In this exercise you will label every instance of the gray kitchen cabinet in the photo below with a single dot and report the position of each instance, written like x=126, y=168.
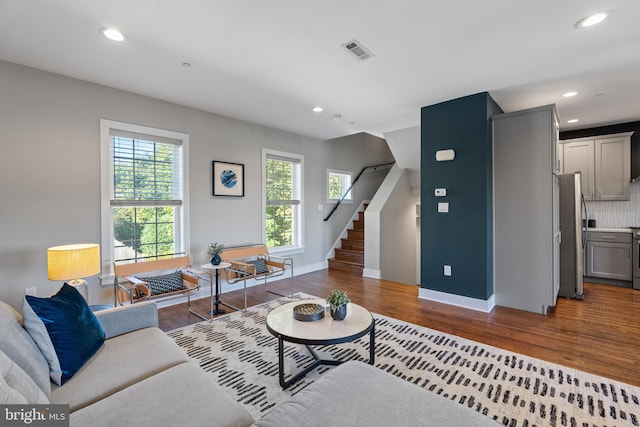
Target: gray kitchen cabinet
x=613, y=168
x=557, y=150
x=526, y=265
x=609, y=256
x=578, y=156
x=605, y=164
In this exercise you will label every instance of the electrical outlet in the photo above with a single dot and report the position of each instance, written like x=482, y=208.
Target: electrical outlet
x=31, y=291
x=447, y=270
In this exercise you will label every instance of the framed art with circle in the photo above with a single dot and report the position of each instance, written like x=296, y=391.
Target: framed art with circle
x=228, y=179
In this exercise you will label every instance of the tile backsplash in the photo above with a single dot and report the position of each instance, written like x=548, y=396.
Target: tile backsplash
x=617, y=214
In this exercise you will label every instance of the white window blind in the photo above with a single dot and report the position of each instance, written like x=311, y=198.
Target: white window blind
x=145, y=169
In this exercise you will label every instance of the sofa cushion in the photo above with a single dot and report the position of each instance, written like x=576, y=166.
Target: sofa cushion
x=180, y=396
x=16, y=343
x=16, y=386
x=357, y=394
x=164, y=283
x=121, y=362
x=64, y=328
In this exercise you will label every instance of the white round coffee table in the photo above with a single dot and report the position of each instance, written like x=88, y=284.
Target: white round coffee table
x=326, y=331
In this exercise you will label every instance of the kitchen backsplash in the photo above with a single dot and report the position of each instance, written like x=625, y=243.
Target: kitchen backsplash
x=617, y=214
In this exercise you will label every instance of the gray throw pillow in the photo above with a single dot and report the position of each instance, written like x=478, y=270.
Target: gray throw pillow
x=18, y=346
x=16, y=387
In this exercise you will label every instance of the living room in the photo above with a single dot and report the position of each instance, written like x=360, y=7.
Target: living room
x=51, y=176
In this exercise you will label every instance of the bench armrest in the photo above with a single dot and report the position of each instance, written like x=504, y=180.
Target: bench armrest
x=135, y=280
x=121, y=320
x=194, y=272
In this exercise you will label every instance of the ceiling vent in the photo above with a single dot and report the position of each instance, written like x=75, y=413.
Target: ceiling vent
x=356, y=48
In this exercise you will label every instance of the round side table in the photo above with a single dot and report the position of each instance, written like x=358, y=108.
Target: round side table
x=215, y=297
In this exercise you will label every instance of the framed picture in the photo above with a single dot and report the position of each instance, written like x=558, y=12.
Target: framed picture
x=228, y=179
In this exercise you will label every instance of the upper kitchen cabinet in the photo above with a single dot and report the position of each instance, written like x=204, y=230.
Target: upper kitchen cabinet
x=558, y=153
x=579, y=156
x=604, y=162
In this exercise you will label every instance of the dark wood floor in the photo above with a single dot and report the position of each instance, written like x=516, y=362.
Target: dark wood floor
x=600, y=335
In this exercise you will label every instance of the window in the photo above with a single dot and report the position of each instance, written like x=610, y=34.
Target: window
x=338, y=182
x=144, y=204
x=282, y=200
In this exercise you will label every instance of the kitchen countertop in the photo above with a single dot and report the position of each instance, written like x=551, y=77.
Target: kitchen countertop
x=611, y=230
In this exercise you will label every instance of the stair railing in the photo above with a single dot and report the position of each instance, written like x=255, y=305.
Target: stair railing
x=374, y=167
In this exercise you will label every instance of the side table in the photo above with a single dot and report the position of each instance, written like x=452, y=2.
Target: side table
x=215, y=297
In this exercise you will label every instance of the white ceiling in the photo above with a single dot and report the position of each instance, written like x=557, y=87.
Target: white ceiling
x=269, y=62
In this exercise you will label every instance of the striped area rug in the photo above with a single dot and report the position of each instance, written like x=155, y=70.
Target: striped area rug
x=238, y=352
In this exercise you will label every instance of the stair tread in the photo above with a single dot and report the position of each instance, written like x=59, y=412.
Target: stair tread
x=350, y=250
x=346, y=262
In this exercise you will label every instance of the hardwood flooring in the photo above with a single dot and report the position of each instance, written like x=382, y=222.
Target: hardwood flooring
x=600, y=335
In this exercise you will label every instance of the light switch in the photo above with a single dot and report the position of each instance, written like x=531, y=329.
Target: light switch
x=443, y=207
x=447, y=270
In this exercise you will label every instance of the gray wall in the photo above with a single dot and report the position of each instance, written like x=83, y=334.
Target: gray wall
x=50, y=174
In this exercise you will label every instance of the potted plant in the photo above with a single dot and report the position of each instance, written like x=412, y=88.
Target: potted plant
x=338, y=301
x=214, y=252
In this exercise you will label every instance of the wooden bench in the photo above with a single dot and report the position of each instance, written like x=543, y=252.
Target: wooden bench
x=129, y=284
x=254, y=262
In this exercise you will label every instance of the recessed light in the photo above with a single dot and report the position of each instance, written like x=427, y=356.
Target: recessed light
x=573, y=121
x=594, y=19
x=337, y=117
x=317, y=109
x=569, y=94
x=112, y=34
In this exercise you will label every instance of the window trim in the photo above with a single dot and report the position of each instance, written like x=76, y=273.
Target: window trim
x=336, y=171
x=299, y=234
x=106, y=217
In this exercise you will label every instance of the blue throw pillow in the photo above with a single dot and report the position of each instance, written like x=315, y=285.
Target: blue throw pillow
x=65, y=330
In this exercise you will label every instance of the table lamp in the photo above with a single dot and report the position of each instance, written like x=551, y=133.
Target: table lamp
x=72, y=263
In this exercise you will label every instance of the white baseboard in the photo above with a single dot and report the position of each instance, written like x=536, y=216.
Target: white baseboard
x=458, y=300
x=374, y=274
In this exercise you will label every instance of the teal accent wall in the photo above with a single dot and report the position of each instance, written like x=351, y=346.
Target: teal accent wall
x=462, y=238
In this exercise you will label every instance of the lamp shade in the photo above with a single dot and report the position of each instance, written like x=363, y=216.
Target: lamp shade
x=73, y=261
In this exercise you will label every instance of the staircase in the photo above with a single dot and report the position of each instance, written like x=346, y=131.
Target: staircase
x=350, y=257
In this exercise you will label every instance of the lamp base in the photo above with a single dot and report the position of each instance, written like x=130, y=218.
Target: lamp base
x=81, y=286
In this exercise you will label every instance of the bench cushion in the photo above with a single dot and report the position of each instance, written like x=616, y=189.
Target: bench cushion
x=164, y=283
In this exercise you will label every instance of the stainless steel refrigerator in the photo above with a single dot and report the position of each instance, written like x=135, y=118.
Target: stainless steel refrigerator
x=573, y=210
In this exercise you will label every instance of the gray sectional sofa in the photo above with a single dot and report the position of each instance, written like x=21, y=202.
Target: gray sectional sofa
x=140, y=377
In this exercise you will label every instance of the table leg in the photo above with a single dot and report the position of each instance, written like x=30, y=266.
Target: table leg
x=372, y=343
x=215, y=298
x=283, y=383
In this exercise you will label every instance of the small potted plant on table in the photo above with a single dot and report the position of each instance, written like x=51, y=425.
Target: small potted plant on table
x=338, y=301
x=214, y=252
